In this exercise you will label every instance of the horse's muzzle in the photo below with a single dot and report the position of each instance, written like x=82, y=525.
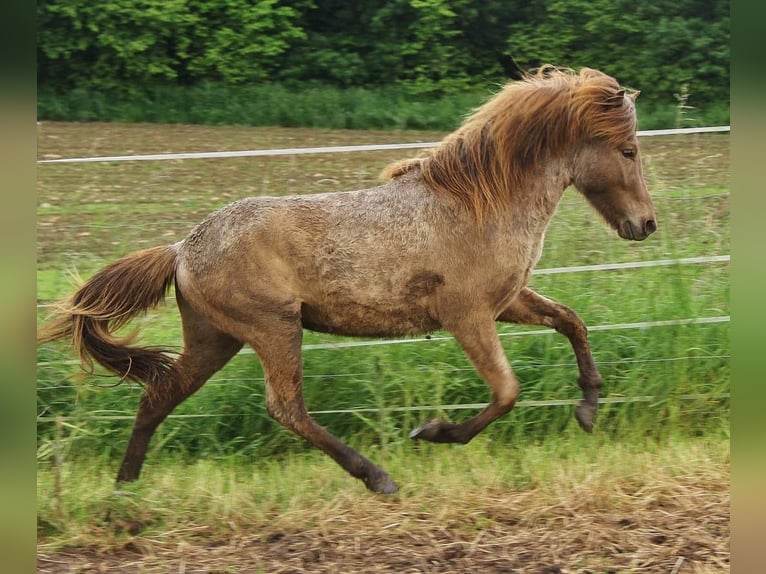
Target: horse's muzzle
x=629, y=230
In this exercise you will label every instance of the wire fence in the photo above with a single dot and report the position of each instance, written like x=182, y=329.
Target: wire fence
x=431, y=339
x=707, y=260
x=228, y=381
x=447, y=407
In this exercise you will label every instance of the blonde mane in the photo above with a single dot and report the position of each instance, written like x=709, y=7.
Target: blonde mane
x=501, y=145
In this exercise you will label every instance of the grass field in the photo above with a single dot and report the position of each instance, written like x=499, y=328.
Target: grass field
x=224, y=477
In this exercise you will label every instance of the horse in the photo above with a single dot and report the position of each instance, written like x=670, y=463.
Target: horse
x=447, y=241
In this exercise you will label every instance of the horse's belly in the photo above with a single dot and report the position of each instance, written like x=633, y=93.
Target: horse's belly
x=366, y=320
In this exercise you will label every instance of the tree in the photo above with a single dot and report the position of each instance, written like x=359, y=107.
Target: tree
x=113, y=43
x=118, y=44
x=428, y=46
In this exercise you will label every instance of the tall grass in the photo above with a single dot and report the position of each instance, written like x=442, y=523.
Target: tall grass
x=308, y=106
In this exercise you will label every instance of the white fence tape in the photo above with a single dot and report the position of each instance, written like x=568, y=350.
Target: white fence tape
x=633, y=264
x=329, y=149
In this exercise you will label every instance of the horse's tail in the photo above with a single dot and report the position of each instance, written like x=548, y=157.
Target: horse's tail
x=109, y=300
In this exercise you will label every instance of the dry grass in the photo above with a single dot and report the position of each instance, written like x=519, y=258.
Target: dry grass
x=617, y=508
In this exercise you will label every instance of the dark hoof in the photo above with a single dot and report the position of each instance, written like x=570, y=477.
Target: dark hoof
x=442, y=432
x=586, y=415
x=427, y=431
x=382, y=484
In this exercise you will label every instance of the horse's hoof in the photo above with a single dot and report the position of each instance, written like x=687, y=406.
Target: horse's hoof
x=381, y=484
x=585, y=415
x=427, y=431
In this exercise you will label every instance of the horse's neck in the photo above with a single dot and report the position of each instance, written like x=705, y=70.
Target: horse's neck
x=520, y=230
x=537, y=202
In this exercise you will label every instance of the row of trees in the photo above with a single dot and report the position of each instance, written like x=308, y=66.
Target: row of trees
x=427, y=46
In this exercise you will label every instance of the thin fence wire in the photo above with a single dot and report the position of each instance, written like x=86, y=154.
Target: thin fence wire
x=454, y=407
x=610, y=327
x=426, y=339
x=243, y=381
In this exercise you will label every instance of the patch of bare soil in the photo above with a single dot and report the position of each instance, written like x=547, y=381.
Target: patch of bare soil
x=683, y=528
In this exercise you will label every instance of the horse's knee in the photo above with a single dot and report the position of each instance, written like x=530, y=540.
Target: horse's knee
x=287, y=414
x=570, y=324
x=275, y=409
x=506, y=396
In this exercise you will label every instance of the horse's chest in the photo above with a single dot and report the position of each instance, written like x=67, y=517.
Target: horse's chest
x=505, y=288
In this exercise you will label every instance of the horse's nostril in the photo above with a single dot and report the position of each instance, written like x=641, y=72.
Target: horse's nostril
x=650, y=226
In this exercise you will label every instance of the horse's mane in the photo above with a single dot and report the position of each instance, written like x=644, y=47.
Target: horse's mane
x=504, y=142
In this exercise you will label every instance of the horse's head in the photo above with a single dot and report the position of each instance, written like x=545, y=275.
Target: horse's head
x=607, y=171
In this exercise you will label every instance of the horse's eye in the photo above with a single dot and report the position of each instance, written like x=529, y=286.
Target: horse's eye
x=629, y=153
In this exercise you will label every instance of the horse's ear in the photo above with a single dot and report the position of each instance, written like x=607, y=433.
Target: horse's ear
x=616, y=100
x=510, y=68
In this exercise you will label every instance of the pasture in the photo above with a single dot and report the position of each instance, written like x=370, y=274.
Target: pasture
x=225, y=489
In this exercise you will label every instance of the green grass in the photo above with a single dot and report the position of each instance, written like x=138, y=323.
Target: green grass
x=310, y=106
x=662, y=362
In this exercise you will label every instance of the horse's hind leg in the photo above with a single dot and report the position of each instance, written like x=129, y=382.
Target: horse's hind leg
x=529, y=308
x=280, y=354
x=206, y=350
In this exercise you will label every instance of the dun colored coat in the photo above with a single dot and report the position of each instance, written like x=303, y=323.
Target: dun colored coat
x=447, y=242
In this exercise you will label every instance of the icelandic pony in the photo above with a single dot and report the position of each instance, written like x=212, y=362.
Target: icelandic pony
x=447, y=242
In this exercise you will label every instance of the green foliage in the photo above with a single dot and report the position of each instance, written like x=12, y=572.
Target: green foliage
x=110, y=45
x=122, y=45
x=431, y=55
x=240, y=40
x=426, y=47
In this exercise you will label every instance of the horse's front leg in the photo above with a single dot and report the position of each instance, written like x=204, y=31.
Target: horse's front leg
x=478, y=337
x=529, y=308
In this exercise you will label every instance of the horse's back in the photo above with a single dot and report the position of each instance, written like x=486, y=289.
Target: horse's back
x=301, y=227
